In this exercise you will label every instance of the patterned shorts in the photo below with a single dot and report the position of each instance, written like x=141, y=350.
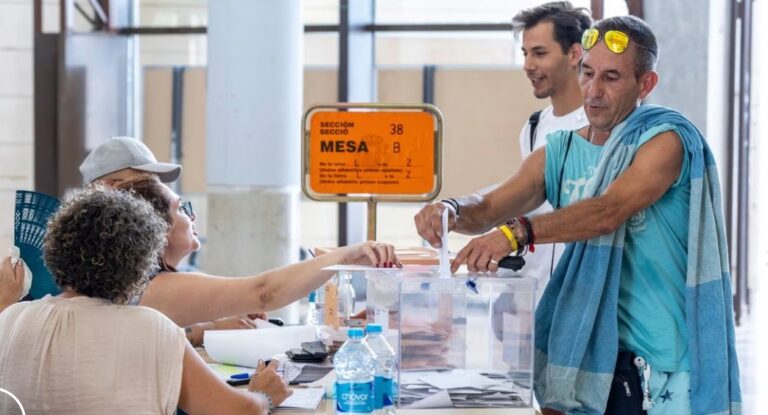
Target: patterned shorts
x=670, y=392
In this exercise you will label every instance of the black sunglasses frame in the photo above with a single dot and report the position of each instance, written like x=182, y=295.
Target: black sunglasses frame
x=186, y=207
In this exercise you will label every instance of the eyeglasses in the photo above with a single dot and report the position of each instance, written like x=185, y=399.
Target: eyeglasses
x=186, y=207
x=616, y=40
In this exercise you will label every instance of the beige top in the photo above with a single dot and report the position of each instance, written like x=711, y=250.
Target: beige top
x=87, y=356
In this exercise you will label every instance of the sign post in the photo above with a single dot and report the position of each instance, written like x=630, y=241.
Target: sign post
x=372, y=153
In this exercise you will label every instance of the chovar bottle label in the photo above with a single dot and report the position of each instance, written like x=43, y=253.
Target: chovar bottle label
x=354, y=397
x=383, y=393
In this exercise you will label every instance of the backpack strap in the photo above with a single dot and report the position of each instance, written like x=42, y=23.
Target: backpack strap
x=533, y=122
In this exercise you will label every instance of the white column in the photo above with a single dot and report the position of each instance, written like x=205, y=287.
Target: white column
x=16, y=109
x=253, y=129
x=693, y=68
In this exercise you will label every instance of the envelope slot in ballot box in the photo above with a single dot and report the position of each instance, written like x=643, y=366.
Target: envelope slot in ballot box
x=464, y=341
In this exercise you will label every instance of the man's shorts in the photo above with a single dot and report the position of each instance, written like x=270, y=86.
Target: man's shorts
x=671, y=393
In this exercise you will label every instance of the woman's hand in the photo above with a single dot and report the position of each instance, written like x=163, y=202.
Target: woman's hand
x=266, y=380
x=11, y=282
x=261, y=315
x=196, y=332
x=234, y=323
x=374, y=253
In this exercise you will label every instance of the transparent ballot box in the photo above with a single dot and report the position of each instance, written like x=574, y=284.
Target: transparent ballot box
x=464, y=341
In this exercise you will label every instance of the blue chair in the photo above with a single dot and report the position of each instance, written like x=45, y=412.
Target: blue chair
x=33, y=209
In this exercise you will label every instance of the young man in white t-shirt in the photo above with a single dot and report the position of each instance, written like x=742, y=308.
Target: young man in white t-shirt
x=551, y=45
x=551, y=36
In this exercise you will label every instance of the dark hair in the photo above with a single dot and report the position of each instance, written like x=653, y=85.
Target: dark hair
x=640, y=34
x=569, y=22
x=150, y=188
x=102, y=243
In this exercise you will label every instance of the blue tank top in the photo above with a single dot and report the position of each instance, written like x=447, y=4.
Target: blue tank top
x=651, y=309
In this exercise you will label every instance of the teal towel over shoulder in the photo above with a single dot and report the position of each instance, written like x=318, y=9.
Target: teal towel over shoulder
x=576, y=336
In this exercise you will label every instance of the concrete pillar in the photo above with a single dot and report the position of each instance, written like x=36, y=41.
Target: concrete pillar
x=694, y=67
x=694, y=42
x=253, y=130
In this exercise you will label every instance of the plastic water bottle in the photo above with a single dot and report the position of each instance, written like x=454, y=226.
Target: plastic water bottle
x=346, y=298
x=355, y=367
x=314, y=317
x=384, y=387
x=320, y=305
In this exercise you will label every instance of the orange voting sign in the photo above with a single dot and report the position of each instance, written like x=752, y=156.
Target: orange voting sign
x=372, y=152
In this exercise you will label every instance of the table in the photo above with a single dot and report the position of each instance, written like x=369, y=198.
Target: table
x=327, y=407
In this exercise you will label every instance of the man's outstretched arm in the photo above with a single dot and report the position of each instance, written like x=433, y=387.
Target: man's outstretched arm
x=655, y=168
x=478, y=212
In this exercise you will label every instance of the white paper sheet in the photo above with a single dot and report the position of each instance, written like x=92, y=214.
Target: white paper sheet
x=457, y=379
x=439, y=400
x=341, y=267
x=303, y=399
x=445, y=263
x=406, y=268
x=469, y=391
x=247, y=347
x=409, y=378
x=381, y=317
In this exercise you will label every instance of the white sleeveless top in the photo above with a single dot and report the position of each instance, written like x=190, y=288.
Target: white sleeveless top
x=87, y=356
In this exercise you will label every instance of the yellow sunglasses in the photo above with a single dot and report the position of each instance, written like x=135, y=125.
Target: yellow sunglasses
x=616, y=40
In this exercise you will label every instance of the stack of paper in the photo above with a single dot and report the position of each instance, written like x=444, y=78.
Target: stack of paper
x=461, y=389
x=302, y=400
x=308, y=372
x=427, y=341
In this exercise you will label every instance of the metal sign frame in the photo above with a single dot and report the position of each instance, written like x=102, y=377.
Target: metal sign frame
x=369, y=197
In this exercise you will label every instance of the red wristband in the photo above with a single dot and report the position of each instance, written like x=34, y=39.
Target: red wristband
x=528, y=230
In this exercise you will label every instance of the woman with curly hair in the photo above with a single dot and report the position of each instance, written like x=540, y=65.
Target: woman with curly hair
x=86, y=351
x=189, y=298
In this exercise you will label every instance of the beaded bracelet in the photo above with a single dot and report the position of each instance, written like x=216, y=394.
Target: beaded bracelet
x=522, y=243
x=530, y=237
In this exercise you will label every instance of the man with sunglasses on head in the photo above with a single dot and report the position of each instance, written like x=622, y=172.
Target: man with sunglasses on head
x=637, y=317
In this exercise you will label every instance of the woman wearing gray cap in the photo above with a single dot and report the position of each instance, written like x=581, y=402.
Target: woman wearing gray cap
x=122, y=158
x=190, y=298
